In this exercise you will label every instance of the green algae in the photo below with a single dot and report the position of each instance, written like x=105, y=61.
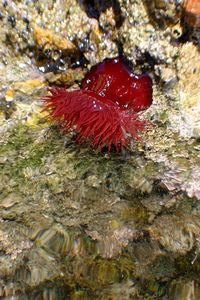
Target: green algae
x=80, y=180
x=21, y=153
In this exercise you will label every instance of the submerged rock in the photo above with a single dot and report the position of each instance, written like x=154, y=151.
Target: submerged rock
x=83, y=224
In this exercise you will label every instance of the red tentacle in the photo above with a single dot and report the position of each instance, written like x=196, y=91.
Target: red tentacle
x=94, y=118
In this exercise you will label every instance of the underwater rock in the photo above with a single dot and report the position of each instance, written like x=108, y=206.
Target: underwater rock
x=176, y=234
x=184, y=290
x=83, y=225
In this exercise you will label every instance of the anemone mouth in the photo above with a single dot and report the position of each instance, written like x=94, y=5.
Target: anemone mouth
x=95, y=118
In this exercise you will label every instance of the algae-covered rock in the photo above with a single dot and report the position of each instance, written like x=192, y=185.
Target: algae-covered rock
x=178, y=235
x=77, y=223
x=188, y=121
x=183, y=289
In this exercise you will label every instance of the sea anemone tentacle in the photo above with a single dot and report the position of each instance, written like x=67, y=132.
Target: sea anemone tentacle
x=104, y=123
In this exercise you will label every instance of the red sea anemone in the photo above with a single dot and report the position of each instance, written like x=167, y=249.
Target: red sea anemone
x=106, y=108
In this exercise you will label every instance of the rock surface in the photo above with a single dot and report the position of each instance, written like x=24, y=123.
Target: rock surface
x=79, y=224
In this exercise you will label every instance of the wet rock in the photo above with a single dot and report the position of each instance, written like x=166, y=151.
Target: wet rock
x=164, y=12
x=141, y=42
x=67, y=78
x=49, y=40
x=86, y=224
x=182, y=290
x=122, y=291
x=187, y=120
x=176, y=234
x=9, y=201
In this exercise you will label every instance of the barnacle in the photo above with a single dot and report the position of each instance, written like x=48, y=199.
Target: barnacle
x=106, y=108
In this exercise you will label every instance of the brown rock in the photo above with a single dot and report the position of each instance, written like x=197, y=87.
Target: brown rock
x=48, y=38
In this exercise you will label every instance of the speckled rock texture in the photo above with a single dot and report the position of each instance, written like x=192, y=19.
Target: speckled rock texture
x=76, y=223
